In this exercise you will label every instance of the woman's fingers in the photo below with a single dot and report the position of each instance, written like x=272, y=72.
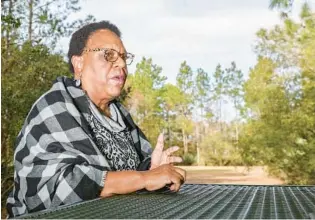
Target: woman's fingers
x=175, y=159
x=181, y=172
x=172, y=187
x=177, y=180
x=162, y=176
x=175, y=187
x=167, y=158
x=171, y=150
x=160, y=142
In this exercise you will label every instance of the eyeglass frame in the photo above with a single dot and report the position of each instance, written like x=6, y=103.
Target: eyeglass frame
x=121, y=55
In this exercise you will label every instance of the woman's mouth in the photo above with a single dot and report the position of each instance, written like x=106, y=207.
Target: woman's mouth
x=119, y=79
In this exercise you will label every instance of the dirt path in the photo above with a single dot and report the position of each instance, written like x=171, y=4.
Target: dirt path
x=229, y=175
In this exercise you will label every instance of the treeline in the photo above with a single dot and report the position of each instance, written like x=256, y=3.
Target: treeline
x=190, y=113
x=273, y=110
x=280, y=100
x=274, y=123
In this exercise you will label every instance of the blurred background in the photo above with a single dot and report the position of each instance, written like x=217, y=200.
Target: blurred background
x=232, y=83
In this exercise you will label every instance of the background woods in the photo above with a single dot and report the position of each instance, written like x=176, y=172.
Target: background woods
x=272, y=108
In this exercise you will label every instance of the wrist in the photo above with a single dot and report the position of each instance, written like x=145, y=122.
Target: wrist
x=142, y=179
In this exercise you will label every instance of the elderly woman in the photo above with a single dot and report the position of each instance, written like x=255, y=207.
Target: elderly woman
x=78, y=142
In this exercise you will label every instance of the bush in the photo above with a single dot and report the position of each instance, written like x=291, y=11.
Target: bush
x=189, y=159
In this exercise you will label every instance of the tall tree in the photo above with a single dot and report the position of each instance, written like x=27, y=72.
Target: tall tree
x=145, y=98
x=172, y=99
x=234, y=90
x=9, y=24
x=42, y=21
x=219, y=85
x=184, y=81
x=235, y=93
x=203, y=89
x=184, y=78
x=202, y=94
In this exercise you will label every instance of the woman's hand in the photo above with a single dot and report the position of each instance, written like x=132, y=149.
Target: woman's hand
x=127, y=181
x=160, y=156
x=164, y=175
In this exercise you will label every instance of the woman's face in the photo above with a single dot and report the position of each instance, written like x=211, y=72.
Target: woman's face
x=103, y=79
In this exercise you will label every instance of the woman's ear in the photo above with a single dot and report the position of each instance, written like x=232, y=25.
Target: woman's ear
x=77, y=63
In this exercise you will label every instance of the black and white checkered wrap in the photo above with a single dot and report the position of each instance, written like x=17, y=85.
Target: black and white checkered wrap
x=56, y=161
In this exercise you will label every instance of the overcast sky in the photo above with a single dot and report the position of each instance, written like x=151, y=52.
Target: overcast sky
x=202, y=32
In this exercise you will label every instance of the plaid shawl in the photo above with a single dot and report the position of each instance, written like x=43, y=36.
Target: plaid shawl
x=56, y=161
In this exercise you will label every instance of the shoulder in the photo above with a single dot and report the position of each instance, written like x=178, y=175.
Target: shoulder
x=59, y=98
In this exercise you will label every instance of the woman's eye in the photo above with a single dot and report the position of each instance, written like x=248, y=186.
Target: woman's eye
x=110, y=54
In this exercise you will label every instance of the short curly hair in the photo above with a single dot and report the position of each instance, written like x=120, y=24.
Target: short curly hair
x=80, y=37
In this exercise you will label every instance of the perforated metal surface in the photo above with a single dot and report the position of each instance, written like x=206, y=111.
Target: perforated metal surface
x=198, y=201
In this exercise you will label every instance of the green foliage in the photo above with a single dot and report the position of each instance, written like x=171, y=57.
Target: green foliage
x=189, y=159
x=217, y=149
x=26, y=74
x=281, y=4
x=9, y=22
x=41, y=21
x=184, y=79
x=202, y=91
x=227, y=85
x=172, y=99
x=234, y=88
x=280, y=94
x=144, y=102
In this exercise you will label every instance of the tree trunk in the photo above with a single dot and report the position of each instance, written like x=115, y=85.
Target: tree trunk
x=8, y=29
x=237, y=133
x=198, y=156
x=30, y=20
x=168, y=129
x=236, y=127
x=197, y=142
x=8, y=154
x=220, y=117
x=184, y=142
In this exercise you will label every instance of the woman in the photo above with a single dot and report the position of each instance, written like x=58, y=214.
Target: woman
x=78, y=142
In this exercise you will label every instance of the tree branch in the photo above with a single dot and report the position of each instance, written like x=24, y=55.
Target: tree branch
x=47, y=4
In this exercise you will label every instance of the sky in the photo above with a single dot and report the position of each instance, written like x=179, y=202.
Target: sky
x=202, y=32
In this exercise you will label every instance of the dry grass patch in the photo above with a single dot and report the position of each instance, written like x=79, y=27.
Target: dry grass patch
x=229, y=175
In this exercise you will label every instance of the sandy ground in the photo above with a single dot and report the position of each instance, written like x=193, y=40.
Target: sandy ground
x=229, y=175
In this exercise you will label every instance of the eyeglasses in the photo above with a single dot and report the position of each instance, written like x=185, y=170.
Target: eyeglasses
x=112, y=55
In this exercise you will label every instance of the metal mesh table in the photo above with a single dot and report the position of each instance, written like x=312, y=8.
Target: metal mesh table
x=197, y=201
